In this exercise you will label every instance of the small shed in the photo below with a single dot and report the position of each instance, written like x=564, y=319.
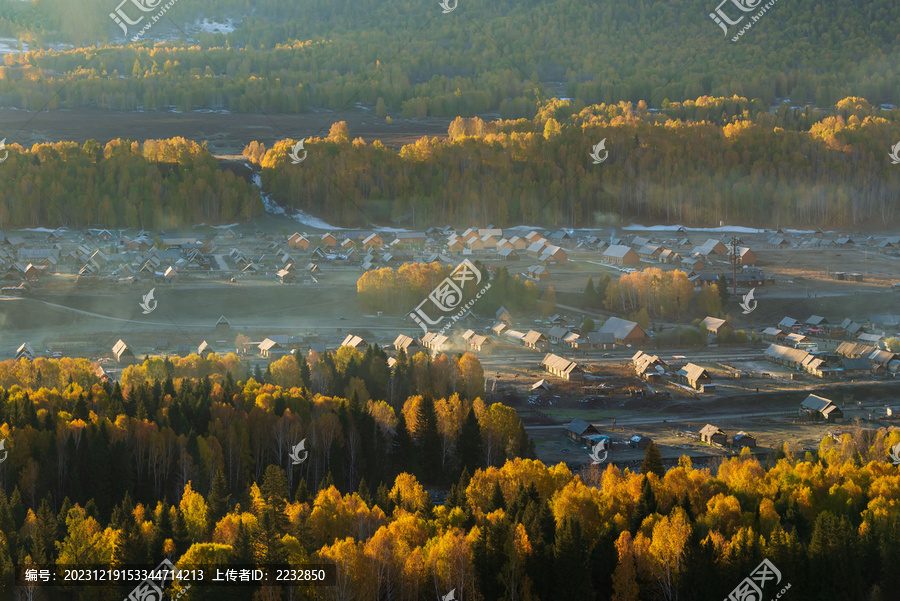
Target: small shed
x=694, y=376
x=742, y=439
x=639, y=442
x=578, y=429
x=819, y=408
x=711, y=434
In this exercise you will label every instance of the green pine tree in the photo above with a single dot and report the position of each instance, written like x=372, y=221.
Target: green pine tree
x=653, y=463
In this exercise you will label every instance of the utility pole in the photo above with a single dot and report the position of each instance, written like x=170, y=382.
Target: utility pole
x=734, y=260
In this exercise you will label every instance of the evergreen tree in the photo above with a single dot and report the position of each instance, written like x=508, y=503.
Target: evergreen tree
x=180, y=535
x=497, y=500
x=470, y=445
x=489, y=557
x=652, y=463
x=45, y=533
x=570, y=565
x=363, y=491
x=242, y=548
x=428, y=441
x=383, y=499
x=722, y=285
x=302, y=493
x=217, y=501
x=646, y=505
x=403, y=453
x=590, y=294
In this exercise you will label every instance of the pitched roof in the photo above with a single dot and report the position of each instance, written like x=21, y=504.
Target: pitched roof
x=693, y=372
x=578, y=426
x=786, y=353
x=557, y=332
x=268, y=344
x=533, y=337
x=620, y=328
x=815, y=402
x=710, y=429
x=713, y=323
x=617, y=251
x=353, y=340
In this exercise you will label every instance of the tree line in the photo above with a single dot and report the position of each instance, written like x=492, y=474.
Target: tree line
x=337, y=53
x=151, y=185
x=826, y=521
x=750, y=169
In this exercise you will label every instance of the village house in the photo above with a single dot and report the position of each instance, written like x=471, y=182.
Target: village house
x=711, y=434
x=816, y=408
x=405, y=343
x=329, y=240
x=480, y=344
x=669, y=256
x=578, y=429
x=557, y=333
x=562, y=368
x=621, y=255
x=298, y=241
x=788, y=325
x=625, y=332
x=742, y=439
x=435, y=343
x=696, y=377
x=354, y=341
x=747, y=256
x=551, y=255
x=510, y=254
x=786, y=356
x=372, y=240
x=650, y=251
x=639, y=442
x=648, y=367
x=123, y=354
x=25, y=352
x=270, y=349
x=590, y=340
x=535, y=340
x=716, y=326
x=539, y=273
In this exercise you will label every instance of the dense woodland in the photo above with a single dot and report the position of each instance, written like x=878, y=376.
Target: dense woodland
x=694, y=163
x=698, y=162
x=151, y=185
x=285, y=57
x=196, y=469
